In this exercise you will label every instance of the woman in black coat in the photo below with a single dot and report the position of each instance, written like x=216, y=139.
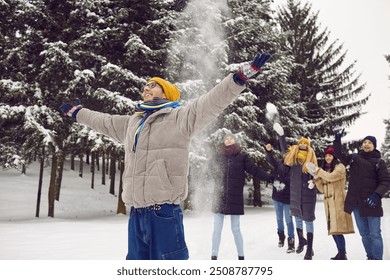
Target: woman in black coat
x=281, y=194
x=229, y=170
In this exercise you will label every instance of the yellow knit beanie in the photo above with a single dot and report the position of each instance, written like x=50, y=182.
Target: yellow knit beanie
x=305, y=140
x=171, y=91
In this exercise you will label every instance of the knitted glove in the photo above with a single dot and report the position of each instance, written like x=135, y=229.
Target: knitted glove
x=279, y=129
x=373, y=200
x=311, y=168
x=70, y=109
x=310, y=185
x=338, y=135
x=247, y=70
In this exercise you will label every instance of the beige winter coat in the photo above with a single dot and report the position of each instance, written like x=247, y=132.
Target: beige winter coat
x=332, y=185
x=157, y=172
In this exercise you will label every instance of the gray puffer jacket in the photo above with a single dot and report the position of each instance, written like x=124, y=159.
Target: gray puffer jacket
x=157, y=171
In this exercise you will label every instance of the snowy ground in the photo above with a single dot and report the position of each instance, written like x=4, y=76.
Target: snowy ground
x=86, y=226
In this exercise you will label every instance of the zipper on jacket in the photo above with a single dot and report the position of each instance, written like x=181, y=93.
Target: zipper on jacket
x=227, y=183
x=135, y=160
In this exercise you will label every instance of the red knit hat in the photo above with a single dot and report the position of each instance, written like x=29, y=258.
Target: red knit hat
x=329, y=150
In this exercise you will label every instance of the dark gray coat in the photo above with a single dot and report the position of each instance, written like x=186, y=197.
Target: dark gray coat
x=302, y=199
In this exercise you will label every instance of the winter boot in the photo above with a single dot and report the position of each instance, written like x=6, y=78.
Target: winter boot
x=309, y=249
x=341, y=255
x=241, y=258
x=302, y=241
x=336, y=257
x=291, y=245
x=214, y=258
x=282, y=238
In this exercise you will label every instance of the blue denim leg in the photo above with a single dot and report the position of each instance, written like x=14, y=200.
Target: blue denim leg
x=374, y=224
x=298, y=222
x=235, y=226
x=309, y=226
x=340, y=241
x=157, y=234
x=216, y=240
x=279, y=215
x=138, y=248
x=289, y=220
x=370, y=231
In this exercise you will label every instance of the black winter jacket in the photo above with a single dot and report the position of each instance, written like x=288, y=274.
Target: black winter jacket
x=367, y=174
x=230, y=180
x=282, y=174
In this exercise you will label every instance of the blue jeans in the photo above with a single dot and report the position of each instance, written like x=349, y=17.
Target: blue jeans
x=235, y=226
x=156, y=234
x=299, y=224
x=282, y=210
x=370, y=231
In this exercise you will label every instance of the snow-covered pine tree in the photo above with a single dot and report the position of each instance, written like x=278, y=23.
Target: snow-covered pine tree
x=210, y=44
x=151, y=24
x=385, y=148
x=330, y=95
x=250, y=30
x=14, y=87
x=62, y=50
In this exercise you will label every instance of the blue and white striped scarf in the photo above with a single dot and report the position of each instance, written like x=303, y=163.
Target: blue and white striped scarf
x=148, y=108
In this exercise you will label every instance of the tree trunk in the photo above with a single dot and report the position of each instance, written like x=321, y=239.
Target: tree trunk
x=23, y=168
x=52, y=184
x=257, y=192
x=187, y=202
x=121, y=205
x=103, y=168
x=87, y=157
x=41, y=168
x=81, y=166
x=107, y=162
x=72, y=161
x=97, y=162
x=93, y=155
x=112, y=173
x=60, y=170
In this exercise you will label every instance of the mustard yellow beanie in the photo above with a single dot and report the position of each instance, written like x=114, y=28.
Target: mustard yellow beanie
x=171, y=91
x=305, y=140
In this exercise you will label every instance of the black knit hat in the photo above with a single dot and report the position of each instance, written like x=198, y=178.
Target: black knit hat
x=372, y=139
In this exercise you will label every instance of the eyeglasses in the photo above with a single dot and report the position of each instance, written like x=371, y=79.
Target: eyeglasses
x=150, y=85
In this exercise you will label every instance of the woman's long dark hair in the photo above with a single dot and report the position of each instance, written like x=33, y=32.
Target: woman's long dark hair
x=334, y=162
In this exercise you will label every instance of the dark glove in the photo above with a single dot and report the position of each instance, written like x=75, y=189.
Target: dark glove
x=247, y=70
x=70, y=109
x=338, y=135
x=373, y=200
